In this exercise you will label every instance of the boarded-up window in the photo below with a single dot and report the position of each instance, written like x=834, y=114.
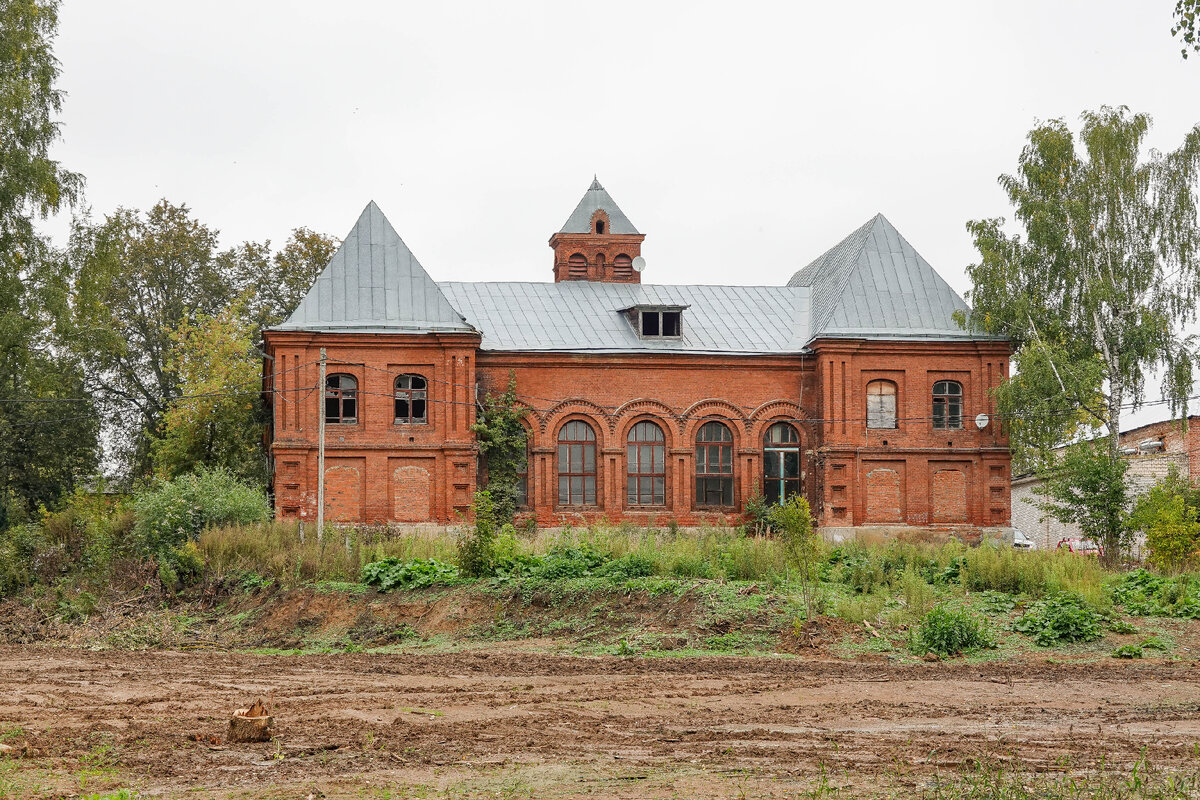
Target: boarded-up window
x=949, y=500
x=577, y=266
x=881, y=404
x=883, y=495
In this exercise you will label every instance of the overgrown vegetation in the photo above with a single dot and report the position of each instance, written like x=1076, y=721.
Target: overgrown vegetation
x=502, y=441
x=1060, y=618
x=950, y=630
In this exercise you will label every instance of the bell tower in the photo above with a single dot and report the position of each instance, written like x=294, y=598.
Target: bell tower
x=598, y=242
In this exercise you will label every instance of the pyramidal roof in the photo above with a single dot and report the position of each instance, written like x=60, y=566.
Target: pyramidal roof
x=873, y=283
x=374, y=281
x=594, y=198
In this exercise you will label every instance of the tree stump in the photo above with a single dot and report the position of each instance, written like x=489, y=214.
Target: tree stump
x=251, y=724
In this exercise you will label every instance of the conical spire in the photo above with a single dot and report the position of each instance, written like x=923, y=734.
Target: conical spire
x=374, y=281
x=596, y=198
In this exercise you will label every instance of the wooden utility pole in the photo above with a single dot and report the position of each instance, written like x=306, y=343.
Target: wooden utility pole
x=321, y=450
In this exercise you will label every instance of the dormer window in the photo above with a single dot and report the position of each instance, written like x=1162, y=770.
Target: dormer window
x=657, y=322
x=599, y=226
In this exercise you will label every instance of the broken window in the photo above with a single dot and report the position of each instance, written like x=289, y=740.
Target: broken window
x=646, y=466
x=714, y=465
x=881, y=404
x=577, y=464
x=947, y=405
x=411, y=400
x=341, y=400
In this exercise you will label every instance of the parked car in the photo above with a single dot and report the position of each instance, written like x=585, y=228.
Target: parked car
x=1021, y=541
x=1085, y=547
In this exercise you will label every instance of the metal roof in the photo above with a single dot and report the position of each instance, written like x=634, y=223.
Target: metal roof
x=596, y=197
x=374, y=282
x=875, y=284
x=584, y=316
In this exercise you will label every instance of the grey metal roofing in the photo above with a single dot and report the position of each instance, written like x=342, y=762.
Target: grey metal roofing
x=579, y=316
x=596, y=197
x=874, y=283
x=374, y=282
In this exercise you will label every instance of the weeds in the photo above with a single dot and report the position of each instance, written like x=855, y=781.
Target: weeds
x=392, y=573
x=1060, y=618
x=949, y=630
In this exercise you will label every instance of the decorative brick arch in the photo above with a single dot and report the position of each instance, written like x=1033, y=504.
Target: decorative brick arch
x=773, y=411
x=553, y=419
x=625, y=424
x=664, y=414
x=701, y=411
x=600, y=215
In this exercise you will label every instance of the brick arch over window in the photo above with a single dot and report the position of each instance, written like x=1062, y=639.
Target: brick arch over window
x=576, y=463
x=599, y=224
x=712, y=408
x=553, y=418
x=627, y=413
x=623, y=266
x=646, y=464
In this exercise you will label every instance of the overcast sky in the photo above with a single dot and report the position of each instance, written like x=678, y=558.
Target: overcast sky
x=743, y=139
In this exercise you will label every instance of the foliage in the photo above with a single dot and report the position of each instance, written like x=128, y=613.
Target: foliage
x=476, y=546
x=48, y=442
x=1185, y=19
x=173, y=512
x=630, y=565
x=395, y=573
x=1096, y=293
x=218, y=419
x=1143, y=593
x=275, y=283
x=792, y=521
x=1060, y=618
x=502, y=441
x=1167, y=515
x=757, y=511
x=1087, y=487
x=949, y=630
x=1127, y=651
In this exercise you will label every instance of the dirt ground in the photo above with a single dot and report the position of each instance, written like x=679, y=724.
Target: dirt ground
x=504, y=724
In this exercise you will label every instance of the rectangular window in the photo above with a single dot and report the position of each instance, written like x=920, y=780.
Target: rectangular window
x=656, y=323
x=650, y=323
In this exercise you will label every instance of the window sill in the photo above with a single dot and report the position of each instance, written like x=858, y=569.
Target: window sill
x=409, y=424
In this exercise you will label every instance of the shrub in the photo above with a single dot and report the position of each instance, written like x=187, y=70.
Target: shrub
x=1167, y=515
x=394, y=573
x=173, y=512
x=1127, y=651
x=948, y=630
x=476, y=548
x=630, y=565
x=1062, y=617
x=569, y=562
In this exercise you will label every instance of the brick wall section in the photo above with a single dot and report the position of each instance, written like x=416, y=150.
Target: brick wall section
x=411, y=473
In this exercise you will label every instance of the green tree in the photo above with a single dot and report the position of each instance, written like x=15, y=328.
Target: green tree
x=502, y=441
x=1167, y=515
x=47, y=437
x=217, y=421
x=277, y=282
x=1186, y=14
x=1086, y=486
x=1096, y=288
x=139, y=278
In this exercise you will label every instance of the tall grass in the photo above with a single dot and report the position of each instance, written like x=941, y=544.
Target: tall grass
x=1037, y=573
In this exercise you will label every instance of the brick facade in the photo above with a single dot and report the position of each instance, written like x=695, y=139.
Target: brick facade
x=791, y=404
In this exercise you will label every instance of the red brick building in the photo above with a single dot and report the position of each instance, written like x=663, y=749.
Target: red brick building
x=851, y=384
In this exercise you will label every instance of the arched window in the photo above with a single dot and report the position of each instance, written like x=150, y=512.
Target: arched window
x=623, y=266
x=781, y=463
x=341, y=400
x=577, y=266
x=599, y=226
x=947, y=405
x=411, y=400
x=576, y=464
x=881, y=404
x=646, y=465
x=714, y=465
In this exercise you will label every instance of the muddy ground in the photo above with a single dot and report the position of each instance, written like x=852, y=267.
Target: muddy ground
x=504, y=724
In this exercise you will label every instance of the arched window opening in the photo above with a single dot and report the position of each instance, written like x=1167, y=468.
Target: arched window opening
x=714, y=465
x=781, y=463
x=623, y=266
x=341, y=400
x=411, y=400
x=947, y=405
x=577, y=464
x=646, y=465
x=599, y=226
x=881, y=404
x=577, y=266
